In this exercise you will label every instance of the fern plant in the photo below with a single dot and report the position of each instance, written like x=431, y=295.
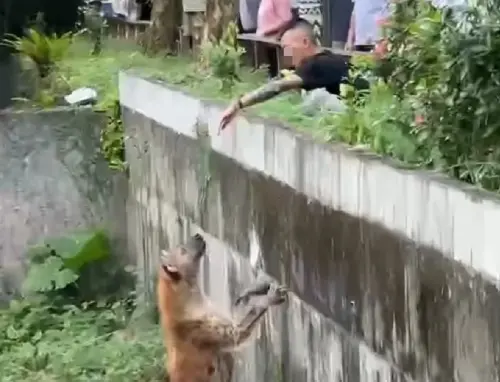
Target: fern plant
x=43, y=49
x=55, y=264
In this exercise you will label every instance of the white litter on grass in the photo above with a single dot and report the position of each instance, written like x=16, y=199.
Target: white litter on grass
x=81, y=96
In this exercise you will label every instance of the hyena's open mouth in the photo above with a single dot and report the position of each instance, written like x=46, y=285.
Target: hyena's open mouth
x=172, y=272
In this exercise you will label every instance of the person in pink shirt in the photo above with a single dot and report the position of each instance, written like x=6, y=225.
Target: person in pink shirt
x=273, y=19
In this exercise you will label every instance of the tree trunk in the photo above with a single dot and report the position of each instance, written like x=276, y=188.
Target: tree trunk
x=162, y=35
x=218, y=16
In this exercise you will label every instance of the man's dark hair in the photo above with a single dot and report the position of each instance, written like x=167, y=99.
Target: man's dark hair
x=306, y=27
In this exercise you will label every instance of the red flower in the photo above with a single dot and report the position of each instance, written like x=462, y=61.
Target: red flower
x=419, y=119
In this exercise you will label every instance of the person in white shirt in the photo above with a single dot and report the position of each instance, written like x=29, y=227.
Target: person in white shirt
x=364, y=29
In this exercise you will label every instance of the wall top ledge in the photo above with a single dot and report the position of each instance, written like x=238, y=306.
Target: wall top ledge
x=57, y=109
x=430, y=208
x=359, y=152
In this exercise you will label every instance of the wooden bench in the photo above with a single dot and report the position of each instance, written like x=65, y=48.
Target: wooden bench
x=256, y=42
x=126, y=29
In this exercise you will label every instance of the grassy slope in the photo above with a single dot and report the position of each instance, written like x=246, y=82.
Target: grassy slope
x=38, y=344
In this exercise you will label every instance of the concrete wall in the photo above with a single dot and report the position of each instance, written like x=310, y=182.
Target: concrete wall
x=53, y=179
x=393, y=272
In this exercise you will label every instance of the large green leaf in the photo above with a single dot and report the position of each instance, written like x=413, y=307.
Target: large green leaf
x=63, y=278
x=40, y=277
x=38, y=253
x=80, y=248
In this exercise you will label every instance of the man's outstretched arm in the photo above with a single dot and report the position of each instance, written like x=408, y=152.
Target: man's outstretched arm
x=270, y=90
x=264, y=93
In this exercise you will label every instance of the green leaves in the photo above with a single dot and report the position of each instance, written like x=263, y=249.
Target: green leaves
x=39, y=341
x=223, y=57
x=445, y=67
x=80, y=248
x=44, y=50
x=113, y=139
x=48, y=276
x=56, y=264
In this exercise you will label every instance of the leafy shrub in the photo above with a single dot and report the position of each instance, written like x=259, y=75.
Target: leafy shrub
x=56, y=264
x=413, y=36
x=446, y=64
x=44, y=50
x=113, y=138
x=438, y=105
x=379, y=121
x=46, y=336
x=223, y=57
x=363, y=66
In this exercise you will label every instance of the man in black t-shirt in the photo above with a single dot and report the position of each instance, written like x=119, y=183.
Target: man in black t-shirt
x=315, y=68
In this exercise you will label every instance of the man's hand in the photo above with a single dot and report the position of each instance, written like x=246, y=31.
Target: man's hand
x=229, y=115
x=265, y=92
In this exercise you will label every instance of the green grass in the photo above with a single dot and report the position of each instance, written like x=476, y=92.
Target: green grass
x=77, y=343
x=79, y=68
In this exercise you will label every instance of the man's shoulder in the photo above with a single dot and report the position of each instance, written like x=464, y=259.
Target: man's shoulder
x=325, y=58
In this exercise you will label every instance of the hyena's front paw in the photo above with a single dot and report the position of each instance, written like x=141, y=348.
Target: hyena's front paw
x=258, y=289
x=277, y=294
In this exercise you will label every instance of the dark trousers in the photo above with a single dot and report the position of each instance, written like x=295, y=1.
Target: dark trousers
x=241, y=30
x=272, y=61
x=269, y=53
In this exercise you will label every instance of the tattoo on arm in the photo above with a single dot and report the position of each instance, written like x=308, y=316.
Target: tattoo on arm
x=270, y=90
